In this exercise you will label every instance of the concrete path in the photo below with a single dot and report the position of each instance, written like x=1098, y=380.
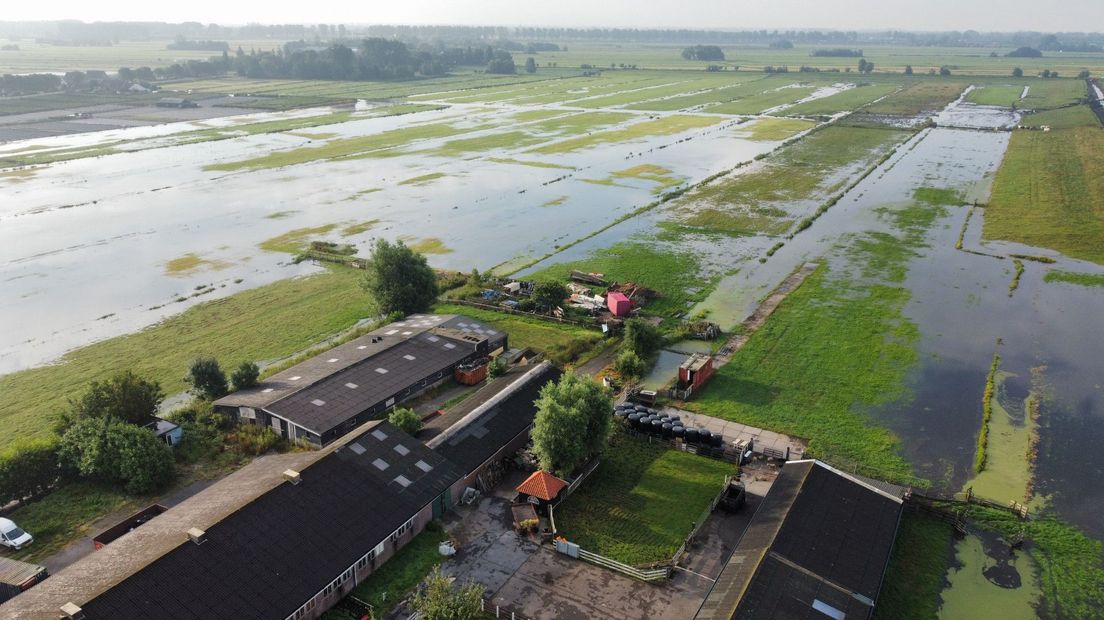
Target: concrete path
x=732, y=431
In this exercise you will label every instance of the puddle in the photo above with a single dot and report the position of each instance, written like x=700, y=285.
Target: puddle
x=665, y=370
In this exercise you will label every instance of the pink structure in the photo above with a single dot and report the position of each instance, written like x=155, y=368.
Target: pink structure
x=618, y=304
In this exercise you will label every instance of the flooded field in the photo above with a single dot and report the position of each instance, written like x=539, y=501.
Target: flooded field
x=531, y=177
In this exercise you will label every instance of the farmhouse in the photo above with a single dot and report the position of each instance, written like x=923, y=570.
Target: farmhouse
x=288, y=536
x=817, y=548
x=176, y=102
x=332, y=393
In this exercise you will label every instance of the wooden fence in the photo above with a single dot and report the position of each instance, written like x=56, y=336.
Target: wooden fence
x=700, y=522
x=570, y=549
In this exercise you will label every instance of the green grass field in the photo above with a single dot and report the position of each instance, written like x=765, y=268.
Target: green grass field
x=561, y=343
x=775, y=129
x=922, y=96
x=756, y=104
x=65, y=515
x=837, y=346
x=1005, y=96
x=308, y=310
x=638, y=506
x=1049, y=192
x=1080, y=279
x=1062, y=118
x=848, y=100
x=663, y=269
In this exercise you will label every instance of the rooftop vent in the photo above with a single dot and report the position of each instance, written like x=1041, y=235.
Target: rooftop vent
x=71, y=611
x=292, y=476
x=197, y=536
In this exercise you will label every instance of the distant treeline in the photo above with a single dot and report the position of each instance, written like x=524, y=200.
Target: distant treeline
x=75, y=81
x=77, y=33
x=206, y=45
x=370, y=59
x=838, y=52
x=703, y=52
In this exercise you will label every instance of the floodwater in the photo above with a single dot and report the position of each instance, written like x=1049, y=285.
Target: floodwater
x=85, y=244
x=990, y=580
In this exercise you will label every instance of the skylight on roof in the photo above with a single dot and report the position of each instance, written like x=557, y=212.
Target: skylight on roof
x=422, y=465
x=332, y=360
x=351, y=386
x=407, y=333
x=357, y=448
x=399, y=324
x=295, y=378
x=382, y=371
x=318, y=402
x=266, y=390
x=362, y=347
x=378, y=434
x=402, y=450
x=449, y=345
x=391, y=332
x=380, y=464
x=433, y=339
x=402, y=480
x=409, y=357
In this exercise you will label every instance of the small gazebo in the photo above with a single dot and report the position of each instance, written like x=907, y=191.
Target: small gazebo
x=540, y=489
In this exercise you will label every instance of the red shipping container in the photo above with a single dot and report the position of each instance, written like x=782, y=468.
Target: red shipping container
x=618, y=304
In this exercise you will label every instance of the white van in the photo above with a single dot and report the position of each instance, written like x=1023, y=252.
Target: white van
x=12, y=536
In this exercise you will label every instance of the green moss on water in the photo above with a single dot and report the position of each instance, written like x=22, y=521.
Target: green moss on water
x=1007, y=465
x=424, y=179
x=970, y=594
x=295, y=241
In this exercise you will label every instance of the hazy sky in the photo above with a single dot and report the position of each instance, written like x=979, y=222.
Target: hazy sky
x=983, y=15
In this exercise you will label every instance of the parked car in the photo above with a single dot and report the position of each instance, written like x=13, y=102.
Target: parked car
x=12, y=536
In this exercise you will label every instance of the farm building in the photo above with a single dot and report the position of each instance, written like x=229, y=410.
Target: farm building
x=489, y=427
x=288, y=536
x=332, y=393
x=817, y=547
x=176, y=102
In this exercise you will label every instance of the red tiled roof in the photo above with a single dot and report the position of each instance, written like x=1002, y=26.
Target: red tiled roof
x=542, y=485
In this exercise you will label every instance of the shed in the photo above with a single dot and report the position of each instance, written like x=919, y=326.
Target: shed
x=695, y=371
x=16, y=576
x=618, y=304
x=166, y=431
x=540, y=489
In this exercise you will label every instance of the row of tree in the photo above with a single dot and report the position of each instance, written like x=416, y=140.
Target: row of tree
x=703, y=52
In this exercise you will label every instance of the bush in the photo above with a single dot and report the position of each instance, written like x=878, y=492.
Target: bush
x=629, y=365
x=549, y=293
x=28, y=468
x=642, y=338
x=497, y=368
x=114, y=452
x=254, y=440
x=125, y=397
x=405, y=420
x=207, y=378
x=245, y=376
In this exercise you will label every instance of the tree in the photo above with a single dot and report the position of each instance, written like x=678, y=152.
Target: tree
x=207, y=378
x=501, y=62
x=530, y=65
x=405, y=420
x=399, y=279
x=908, y=69
x=862, y=65
x=573, y=422
x=944, y=71
x=245, y=376
x=1017, y=72
x=642, y=337
x=125, y=397
x=440, y=601
x=1084, y=74
x=114, y=452
x=703, y=52
x=1024, y=52
x=549, y=293
x=28, y=468
x=629, y=365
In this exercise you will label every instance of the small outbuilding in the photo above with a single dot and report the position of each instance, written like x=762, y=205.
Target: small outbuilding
x=693, y=373
x=618, y=304
x=540, y=489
